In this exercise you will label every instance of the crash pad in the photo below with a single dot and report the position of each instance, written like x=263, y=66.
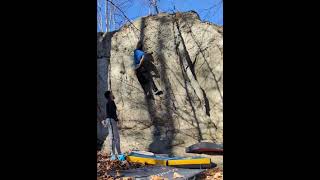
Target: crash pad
x=167, y=161
x=187, y=161
x=147, y=158
x=190, y=162
x=145, y=173
x=206, y=148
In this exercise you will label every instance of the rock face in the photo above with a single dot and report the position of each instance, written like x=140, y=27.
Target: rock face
x=188, y=66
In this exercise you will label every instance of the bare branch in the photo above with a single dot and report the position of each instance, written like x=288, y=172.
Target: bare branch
x=123, y=14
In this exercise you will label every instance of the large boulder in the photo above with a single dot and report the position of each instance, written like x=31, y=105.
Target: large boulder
x=188, y=60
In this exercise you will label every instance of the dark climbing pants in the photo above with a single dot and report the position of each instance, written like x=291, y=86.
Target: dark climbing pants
x=145, y=79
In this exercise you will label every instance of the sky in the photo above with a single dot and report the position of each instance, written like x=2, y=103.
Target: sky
x=208, y=10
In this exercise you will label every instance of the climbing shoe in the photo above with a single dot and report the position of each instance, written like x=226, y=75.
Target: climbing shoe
x=121, y=157
x=158, y=93
x=113, y=157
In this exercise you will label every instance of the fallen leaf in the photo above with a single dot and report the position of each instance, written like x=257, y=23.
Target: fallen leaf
x=127, y=178
x=177, y=175
x=118, y=173
x=157, y=178
x=217, y=176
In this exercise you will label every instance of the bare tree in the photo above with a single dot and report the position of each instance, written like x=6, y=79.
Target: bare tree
x=99, y=16
x=113, y=13
x=107, y=17
x=153, y=4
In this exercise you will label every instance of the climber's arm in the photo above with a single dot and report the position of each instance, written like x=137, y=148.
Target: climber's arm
x=141, y=61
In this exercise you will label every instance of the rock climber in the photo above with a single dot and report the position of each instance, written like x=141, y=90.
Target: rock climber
x=143, y=72
x=111, y=123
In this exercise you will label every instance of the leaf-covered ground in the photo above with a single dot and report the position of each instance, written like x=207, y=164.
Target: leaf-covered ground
x=105, y=166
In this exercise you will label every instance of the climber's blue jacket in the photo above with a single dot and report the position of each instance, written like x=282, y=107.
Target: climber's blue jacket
x=137, y=56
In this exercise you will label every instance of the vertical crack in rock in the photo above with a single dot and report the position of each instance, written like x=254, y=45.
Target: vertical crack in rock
x=189, y=99
x=206, y=61
x=189, y=64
